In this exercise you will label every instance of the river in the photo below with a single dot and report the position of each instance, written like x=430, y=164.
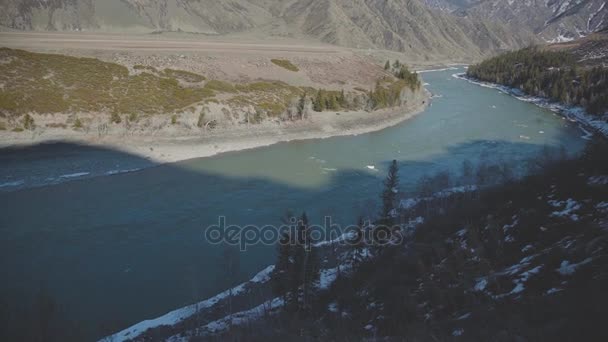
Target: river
x=115, y=250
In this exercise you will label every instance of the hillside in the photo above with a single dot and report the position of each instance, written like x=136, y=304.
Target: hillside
x=574, y=74
x=191, y=97
x=500, y=258
x=401, y=25
x=552, y=21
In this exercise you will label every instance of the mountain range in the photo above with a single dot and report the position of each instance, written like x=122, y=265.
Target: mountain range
x=426, y=28
x=551, y=20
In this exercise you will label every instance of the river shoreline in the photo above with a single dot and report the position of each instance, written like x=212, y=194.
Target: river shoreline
x=167, y=147
x=573, y=113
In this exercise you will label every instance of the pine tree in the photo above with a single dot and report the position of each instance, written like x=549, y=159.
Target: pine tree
x=389, y=195
x=311, y=278
x=332, y=102
x=28, y=122
x=342, y=99
x=396, y=64
x=297, y=269
x=280, y=274
x=230, y=265
x=358, y=243
x=319, y=102
x=297, y=266
x=302, y=106
x=387, y=66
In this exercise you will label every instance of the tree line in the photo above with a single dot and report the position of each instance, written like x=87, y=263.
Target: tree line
x=386, y=92
x=551, y=74
x=402, y=72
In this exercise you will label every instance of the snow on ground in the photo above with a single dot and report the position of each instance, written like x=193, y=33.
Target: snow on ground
x=481, y=285
x=344, y=237
x=328, y=276
x=602, y=206
x=458, y=332
x=242, y=317
x=553, y=290
x=598, y=180
x=560, y=39
x=462, y=232
x=465, y=316
x=520, y=282
x=507, y=227
x=569, y=207
x=566, y=268
x=179, y=315
x=409, y=203
x=570, y=112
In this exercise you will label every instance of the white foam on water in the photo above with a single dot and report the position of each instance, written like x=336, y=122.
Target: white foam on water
x=74, y=175
x=13, y=183
x=115, y=172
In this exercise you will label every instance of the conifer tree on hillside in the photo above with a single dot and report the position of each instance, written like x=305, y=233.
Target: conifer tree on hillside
x=554, y=74
x=230, y=265
x=342, y=99
x=389, y=195
x=280, y=274
x=311, y=278
x=387, y=66
x=296, y=274
x=358, y=243
x=302, y=106
x=319, y=102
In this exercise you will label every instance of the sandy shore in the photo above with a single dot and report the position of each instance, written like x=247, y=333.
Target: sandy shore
x=165, y=147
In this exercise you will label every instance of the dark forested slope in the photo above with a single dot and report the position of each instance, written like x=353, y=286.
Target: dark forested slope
x=573, y=73
x=524, y=260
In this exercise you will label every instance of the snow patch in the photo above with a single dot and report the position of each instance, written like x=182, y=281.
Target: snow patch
x=458, y=332
x=569, y=207
x=552, y=291
x=465, y=316
x=566, y=268
x=179, y=315
x=243, y=317
x=481, y=285
x=598, y=180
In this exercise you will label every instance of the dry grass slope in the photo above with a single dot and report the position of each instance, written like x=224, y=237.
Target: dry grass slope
x=47, y=83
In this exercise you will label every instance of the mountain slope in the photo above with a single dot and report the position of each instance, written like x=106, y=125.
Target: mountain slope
x=552, y=20
x=400, y=25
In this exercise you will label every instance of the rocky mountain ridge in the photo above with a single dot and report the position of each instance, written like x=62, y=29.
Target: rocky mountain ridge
x=400, y=25
x=552, y=20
